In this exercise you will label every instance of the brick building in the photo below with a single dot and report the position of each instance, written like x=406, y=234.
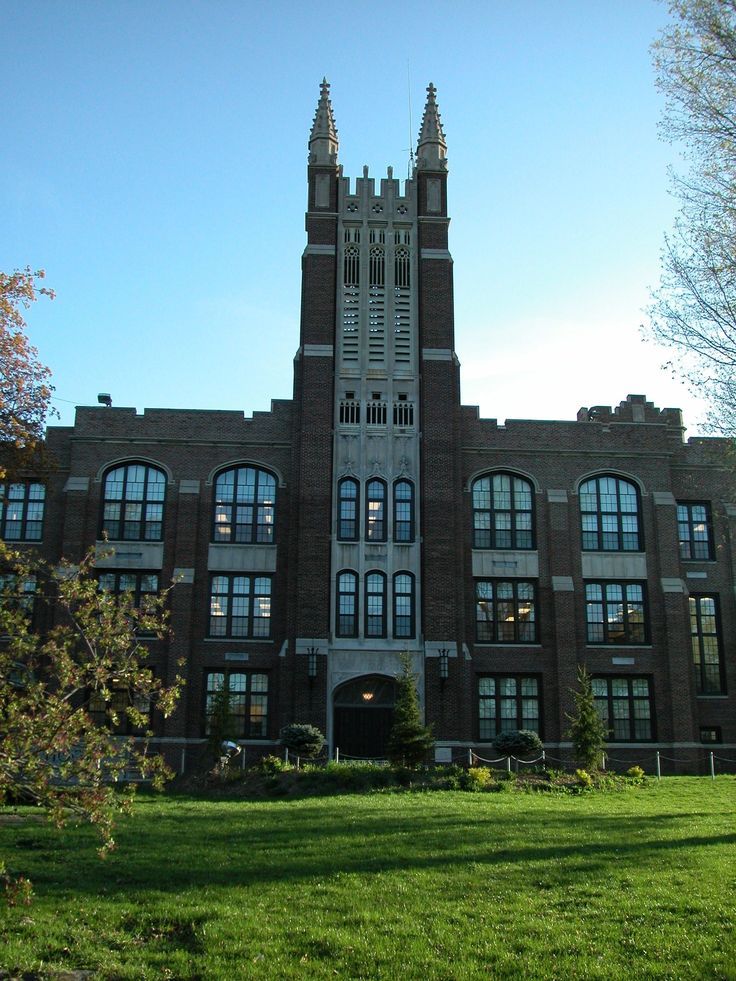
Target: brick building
x=373, y=513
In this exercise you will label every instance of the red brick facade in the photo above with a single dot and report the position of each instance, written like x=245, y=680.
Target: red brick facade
x=296, y=441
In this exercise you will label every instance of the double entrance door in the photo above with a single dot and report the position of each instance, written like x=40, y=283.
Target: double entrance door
x=363, y=716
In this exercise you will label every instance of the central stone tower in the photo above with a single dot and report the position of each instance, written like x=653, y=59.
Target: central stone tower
x=378, y=397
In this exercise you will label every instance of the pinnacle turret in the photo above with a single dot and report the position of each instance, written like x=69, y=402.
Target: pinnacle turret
x=432, y=148
x=323, y=142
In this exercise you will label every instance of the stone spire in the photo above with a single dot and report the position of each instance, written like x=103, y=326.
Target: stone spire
x=432, y=148
x=323, y=138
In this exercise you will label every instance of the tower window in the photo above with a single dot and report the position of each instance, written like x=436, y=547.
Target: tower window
x=375, y=604
x=348, y=502
x=351, y=266
x=347, y=605
x=403, y=511
x=375, y=511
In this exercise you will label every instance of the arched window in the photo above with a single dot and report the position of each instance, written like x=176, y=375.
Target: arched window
x=133, y=503
x=375, y=604
x=245, y=506
x=348, y=502
x=347, y=605
x=503, y=512
x=403, y=511
x=403, y=605
x=375, y=511
x=609, y=513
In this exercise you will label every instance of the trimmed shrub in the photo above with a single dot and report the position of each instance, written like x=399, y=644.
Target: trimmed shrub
x=517, y=742
x=302, y=739
x=477, y=778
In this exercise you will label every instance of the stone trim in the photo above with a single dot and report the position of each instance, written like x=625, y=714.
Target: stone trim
x=664, y=498
x=184, y=577
x=436, y=354
x=562, y=584
x=319, y=250
x=318, y=350
x=189, y=487
x=77, y=484
x=556, y=496
x=436, y=254
x=673, y=586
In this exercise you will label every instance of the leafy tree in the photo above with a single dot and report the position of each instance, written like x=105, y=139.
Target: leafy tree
x=303, y=739
x=64, y=692
x=65, y=689
x=587, y=731
x=694, y=309
x=25, y=392
x=410, y=740
x=221, y=721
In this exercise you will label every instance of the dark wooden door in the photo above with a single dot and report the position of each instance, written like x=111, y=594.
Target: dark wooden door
x=363, y=731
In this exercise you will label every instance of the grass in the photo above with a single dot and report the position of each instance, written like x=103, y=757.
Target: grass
x=638, y=883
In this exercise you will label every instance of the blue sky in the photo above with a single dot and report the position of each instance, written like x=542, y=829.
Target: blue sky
x=155, y=161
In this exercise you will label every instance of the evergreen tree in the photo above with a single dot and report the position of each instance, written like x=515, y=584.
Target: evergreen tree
x=410, y=740
x=587, y=731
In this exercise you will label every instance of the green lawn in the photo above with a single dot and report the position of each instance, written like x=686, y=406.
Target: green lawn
x=639, y=883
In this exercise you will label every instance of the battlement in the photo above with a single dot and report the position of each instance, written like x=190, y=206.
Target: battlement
x=635, y=409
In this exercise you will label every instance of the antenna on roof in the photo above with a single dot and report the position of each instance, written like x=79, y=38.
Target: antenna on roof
x=411, y=128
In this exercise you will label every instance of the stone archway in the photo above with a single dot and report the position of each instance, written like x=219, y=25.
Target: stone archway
x=363, y=716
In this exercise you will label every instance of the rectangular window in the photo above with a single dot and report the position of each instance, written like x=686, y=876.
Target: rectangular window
x=625, y=705
x=141, y=586
x=507, y=702
x=695, y=531
x=237, y=701
x=710, y=734
x=113, y=713
x=240, y=607
x=21, y=512
x=505, y=611
x=706, y=645
x=615, y=613
x=16, y=596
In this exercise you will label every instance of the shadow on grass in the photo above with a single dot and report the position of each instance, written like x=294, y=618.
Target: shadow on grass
x=174, y=847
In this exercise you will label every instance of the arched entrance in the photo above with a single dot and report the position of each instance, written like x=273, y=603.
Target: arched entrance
x=363, y=716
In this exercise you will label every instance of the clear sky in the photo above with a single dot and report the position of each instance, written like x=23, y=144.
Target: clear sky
x=154, y=163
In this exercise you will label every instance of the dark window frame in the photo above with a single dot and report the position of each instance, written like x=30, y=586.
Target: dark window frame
x=348, y=510
x=25, y=503
x=704, y=684
x=631, y=699
x=689, y=542
x=370, y=631
x=354, y=594
x=602, y=534
x=494, y=634
x=372, y=522
x=490, y=537
x=632, y=637
x=404, y=523
x=410, y=632
x=716, y=738
x=251, y=597
x=489, y=726
x=146, y=500
x=98, y=710
x=242, y=721
x=250, y=532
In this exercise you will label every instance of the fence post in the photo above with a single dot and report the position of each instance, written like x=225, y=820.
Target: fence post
x=603, y=761
x=286, y=754
x=183, y=759
x=544, y=759
x=242, y=758
x=508, y=764
x=712, y=766
x=659, y=770
x=337, y=754
x=470, y=757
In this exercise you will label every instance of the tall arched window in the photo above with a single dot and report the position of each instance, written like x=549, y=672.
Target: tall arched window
x=347, y=605
x=610, y=516
x=133, y=503
x=403, y=605
x=245, y=506
x=375, y=511
x=348, y=503
x=503, y=515
x=403, y=511
x=375, y=604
